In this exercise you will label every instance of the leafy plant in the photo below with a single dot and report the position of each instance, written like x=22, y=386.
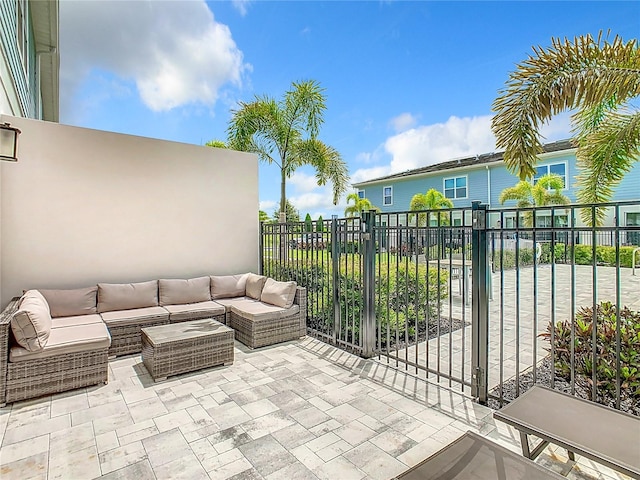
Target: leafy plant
x=579, y=335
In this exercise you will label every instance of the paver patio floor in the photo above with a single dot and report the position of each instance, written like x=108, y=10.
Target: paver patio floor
x=300, y=410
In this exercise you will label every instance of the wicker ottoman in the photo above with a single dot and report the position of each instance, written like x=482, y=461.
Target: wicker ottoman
x=184, y=347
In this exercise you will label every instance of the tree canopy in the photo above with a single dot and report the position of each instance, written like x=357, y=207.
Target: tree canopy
x=547, y=191
x=359, y=205
x=432, y=200
x=285, y=133
x=596, y=79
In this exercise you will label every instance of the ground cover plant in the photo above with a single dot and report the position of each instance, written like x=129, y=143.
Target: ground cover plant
x=579, y=334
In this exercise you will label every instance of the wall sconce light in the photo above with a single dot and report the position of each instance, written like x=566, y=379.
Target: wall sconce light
x=9, y=142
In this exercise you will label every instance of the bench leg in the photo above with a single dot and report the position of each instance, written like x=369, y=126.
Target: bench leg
x=526, y=450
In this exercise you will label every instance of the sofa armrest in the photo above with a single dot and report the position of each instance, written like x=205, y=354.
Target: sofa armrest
x=5, y=334
x=301, y=300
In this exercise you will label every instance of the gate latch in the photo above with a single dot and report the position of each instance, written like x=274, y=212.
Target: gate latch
x=479, y=220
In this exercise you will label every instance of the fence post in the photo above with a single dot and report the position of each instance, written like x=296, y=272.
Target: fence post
x=261, y=249
x=368, y=325
x=335, y=276
x=479, y=304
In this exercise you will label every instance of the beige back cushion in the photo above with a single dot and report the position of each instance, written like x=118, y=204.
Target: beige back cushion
x=179, y=292
x=31, y=324
x=280, y=294
x=126, y=296
x=228, y=286
x=70, y=303
x=254, y=285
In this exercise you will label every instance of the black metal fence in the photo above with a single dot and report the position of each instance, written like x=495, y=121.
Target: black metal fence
x=490, y=301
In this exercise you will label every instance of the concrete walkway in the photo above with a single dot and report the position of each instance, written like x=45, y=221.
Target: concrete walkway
x=300, y=410
x=518, y=314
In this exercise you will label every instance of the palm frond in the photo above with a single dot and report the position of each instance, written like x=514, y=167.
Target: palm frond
x=570, y=74
x=604, y=156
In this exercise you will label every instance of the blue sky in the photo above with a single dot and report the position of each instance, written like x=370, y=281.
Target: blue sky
x=407, y=83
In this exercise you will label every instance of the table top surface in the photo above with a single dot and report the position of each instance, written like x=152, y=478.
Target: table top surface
x=472, y=456
x=184, y=330
x=592, y=428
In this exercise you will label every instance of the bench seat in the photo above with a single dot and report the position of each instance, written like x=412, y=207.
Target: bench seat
x=600, y=433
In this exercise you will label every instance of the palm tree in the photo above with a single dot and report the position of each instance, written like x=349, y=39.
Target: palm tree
x=547, y=191
x=359, y=205
x=285, y=133
x=597, y=79
x=432, y=200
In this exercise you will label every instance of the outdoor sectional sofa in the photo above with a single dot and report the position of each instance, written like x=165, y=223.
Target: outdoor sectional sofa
x=57, y=340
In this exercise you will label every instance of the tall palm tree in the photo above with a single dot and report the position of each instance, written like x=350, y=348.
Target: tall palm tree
x=432, y=200
x=359, y=205
x=547, y=191
x=284, y=133
x=596, y=78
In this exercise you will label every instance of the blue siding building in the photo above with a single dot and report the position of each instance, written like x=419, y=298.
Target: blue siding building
x=484, y=177
x=29, y=59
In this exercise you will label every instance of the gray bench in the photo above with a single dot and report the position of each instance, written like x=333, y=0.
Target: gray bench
x=600, y=433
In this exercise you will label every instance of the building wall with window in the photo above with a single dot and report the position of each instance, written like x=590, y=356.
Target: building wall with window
x=29, y=59
x=483, y=179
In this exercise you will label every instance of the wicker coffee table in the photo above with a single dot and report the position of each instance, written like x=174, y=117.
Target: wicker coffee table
x=187, y=346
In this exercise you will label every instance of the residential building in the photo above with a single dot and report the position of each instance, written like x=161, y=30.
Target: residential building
x=483, y=177
x=30, y=60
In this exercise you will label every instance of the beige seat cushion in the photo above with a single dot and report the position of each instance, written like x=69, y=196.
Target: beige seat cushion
x=280, y=294
x=31, y=323
x=135, y=316
x=178, y=313
x=126, y=296
x=76, y=320
x=228, y=302
x=257, y=311
x=67, y=339
x=68, y=303
x=178, y=291
x=255, y=283
x=228, y=286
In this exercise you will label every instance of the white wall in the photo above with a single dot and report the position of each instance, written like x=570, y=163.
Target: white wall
x=84, y=206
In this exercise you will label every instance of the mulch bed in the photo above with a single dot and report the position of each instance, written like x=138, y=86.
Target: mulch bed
x=544, y=374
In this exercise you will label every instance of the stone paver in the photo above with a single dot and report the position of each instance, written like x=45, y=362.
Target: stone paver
x=298, y=410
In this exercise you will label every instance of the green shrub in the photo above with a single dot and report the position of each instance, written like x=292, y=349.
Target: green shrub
x=411, y=296
x=508, y=258
x=408, y=297
x=606, y=368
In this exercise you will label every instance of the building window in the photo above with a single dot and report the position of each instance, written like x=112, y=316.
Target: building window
x=455, y=187
x=559, y=169
x=361, y=194
x=387, y=196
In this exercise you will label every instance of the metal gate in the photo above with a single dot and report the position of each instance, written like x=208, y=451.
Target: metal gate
x=481, y=300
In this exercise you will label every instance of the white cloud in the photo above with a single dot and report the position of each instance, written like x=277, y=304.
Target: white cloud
x=559, y=128
x=267, y=205
x=303, y=182
x=455, y=138
x=175, y=52
x=403, y=122
x=429, y=144
x=241, y=6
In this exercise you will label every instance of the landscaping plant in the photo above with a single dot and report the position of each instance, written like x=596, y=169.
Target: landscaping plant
x=580, y=334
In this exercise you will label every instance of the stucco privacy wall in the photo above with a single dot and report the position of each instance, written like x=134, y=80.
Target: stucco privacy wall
x=84, y=206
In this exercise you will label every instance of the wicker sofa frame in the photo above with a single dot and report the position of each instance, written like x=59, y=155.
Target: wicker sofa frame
x=35, y=378
x=59, y=373
x=260, y=333
x=127, y=339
